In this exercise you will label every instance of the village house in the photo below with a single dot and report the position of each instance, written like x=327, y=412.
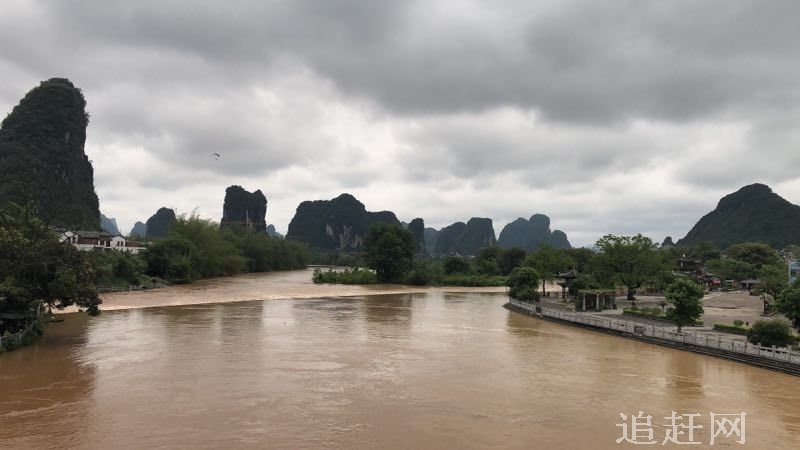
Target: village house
x=99, y=240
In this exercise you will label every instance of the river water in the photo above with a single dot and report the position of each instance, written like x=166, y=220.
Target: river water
x=428, y=369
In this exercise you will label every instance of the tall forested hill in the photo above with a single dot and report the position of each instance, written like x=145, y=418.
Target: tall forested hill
x=466, y=238
x=244, y=209
x=752, y=214
x=530, y=234
x=42, y=159
x=417, y=229
x=158, y=224
x=340, y=224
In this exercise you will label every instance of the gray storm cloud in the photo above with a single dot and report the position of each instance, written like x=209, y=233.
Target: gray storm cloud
x=609, y=117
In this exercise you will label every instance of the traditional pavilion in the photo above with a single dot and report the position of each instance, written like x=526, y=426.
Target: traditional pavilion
x=596, y=300
x=566, y=280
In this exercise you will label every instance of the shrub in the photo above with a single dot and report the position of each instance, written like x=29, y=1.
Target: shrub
x=474, y=280
x=738, y=323
x=523, y=284
x=770, y=333
x=454, y=264
x=354, y=276
x=730, y=329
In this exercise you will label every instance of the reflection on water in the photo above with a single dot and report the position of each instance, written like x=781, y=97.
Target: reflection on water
x=415, y=370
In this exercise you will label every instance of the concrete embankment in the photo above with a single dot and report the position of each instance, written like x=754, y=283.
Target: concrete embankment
x=789, y=367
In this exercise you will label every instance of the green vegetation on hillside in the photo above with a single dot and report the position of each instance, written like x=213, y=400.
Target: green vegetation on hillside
x=42, y=160
x=466, y=239
x=338, y=225
x=752, y=214
x=244, y=209
x=159, y=224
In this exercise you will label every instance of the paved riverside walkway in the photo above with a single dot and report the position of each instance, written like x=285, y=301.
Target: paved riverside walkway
x=719, y=307
x=716, y=344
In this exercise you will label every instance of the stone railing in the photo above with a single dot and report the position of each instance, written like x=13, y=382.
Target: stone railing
x=658, y=333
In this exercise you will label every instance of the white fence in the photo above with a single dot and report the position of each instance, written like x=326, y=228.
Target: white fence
x=638, y=329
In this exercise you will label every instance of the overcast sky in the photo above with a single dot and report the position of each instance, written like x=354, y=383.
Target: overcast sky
x=610, y=117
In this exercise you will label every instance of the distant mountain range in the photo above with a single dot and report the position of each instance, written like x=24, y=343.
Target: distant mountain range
x=109, y=225
x=752, y=214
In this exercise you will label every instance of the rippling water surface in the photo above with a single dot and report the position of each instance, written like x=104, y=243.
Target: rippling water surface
x=421, y=370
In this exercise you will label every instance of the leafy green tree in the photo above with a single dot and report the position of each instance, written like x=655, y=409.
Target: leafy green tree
x=37, y=269
x=755, y=253
x=117, y=268
x=549, y=261
x=732, y=269
x=487, y=260
x=628, y=260
x=770, y=333
x=686, y=297
x=523, y=284
x=172, y=259
x=511, y=258
x=704, y=251
x=455, y=264
x=389, y=250
x=772, y=280
x=788, y=302
x=582, y=257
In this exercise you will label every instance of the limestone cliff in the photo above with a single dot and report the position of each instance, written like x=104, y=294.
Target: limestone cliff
x=335, y=225
x=243, y=209
x=158, y=224
x=42, y=158
x=530, y=234
x=466, y=238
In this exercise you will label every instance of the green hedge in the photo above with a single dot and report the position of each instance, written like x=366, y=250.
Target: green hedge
x=649, y=315
x=730, y=329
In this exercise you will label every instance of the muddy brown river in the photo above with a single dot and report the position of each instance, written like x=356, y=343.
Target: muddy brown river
x=426, y=369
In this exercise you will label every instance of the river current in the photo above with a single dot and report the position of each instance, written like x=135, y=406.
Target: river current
x=428, y=369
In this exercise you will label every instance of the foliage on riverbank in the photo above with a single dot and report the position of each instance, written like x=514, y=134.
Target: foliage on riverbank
x=197, y=248
x=347, y=276
x=421, y=276
x=38, y=271
x=26, y=336
x=769, y=333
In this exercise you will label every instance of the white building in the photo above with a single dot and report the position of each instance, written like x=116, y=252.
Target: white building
x=100, y=240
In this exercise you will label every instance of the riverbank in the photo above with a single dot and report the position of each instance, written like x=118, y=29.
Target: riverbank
x=259, y=286
x=769, y=358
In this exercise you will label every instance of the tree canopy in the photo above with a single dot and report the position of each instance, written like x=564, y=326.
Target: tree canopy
x=42, y=158
x=549, y=261
x=196, y=248
x=686, y=297
x=37, y=269
x=628, y=260
x=788, y=302
x=389, y=250
x=770, y=333
x=523, y=284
